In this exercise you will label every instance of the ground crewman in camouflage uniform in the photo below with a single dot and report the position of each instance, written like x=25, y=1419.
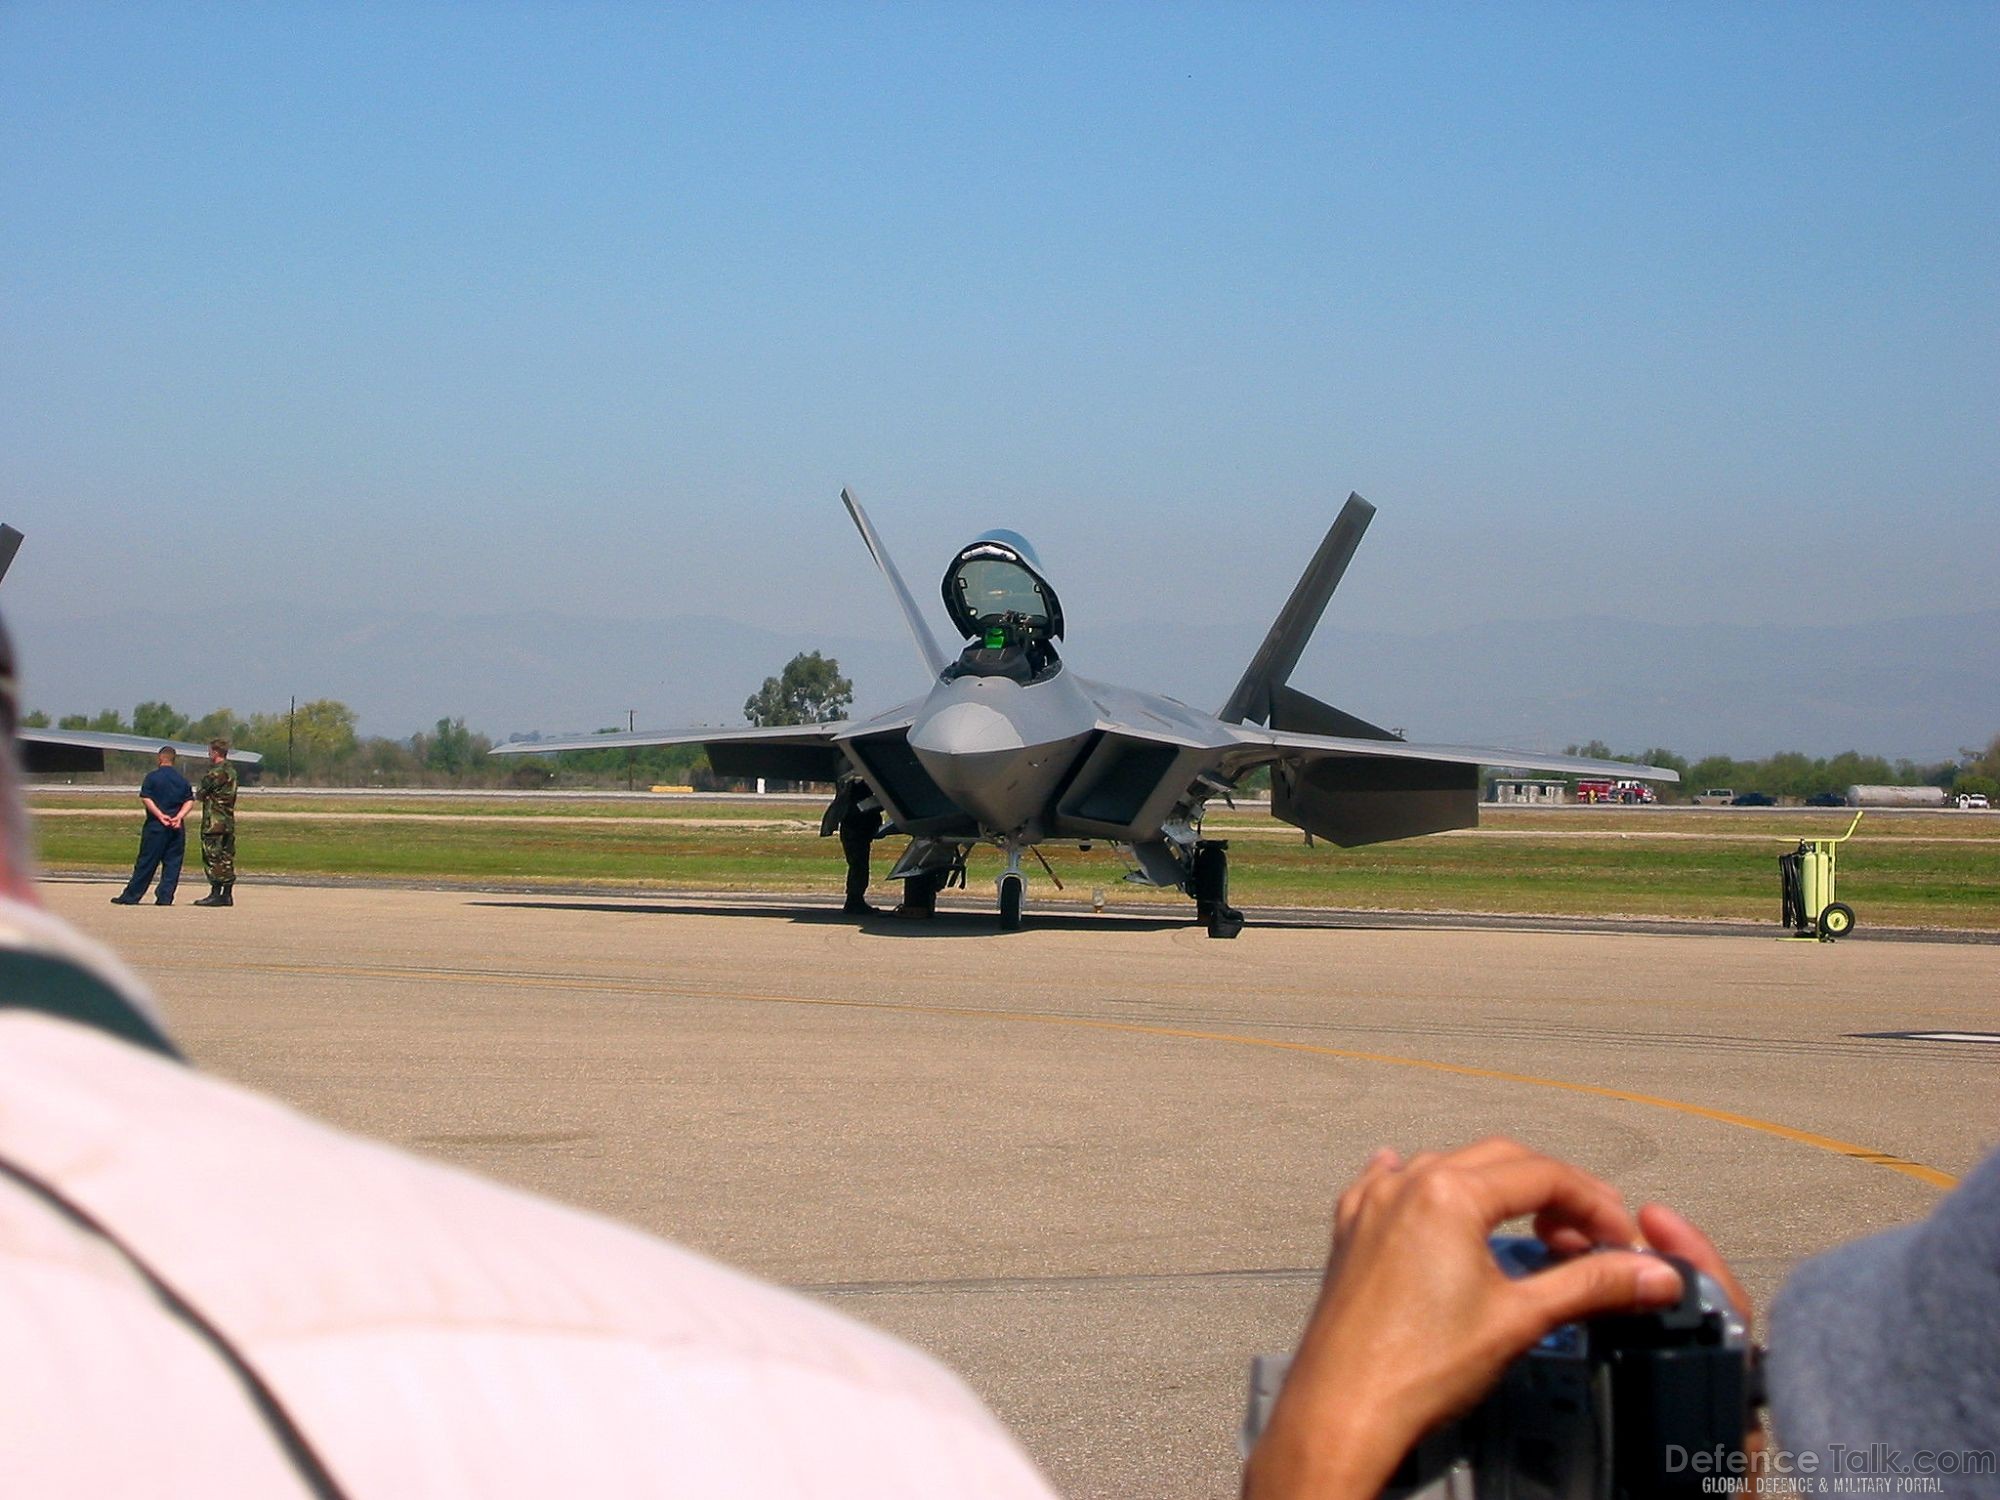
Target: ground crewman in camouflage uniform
x=217, y=791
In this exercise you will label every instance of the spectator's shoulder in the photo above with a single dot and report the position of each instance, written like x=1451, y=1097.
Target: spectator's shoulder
x=528, y=1333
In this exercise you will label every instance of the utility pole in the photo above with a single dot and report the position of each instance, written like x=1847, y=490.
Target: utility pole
x=631, y=727
x=291, y=734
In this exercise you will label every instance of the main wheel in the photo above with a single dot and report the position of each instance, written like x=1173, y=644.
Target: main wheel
x=1012, y=889
x=1836, y=921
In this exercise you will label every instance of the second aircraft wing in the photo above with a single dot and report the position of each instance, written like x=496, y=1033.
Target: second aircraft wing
x=82, y=750
x=1353, y=789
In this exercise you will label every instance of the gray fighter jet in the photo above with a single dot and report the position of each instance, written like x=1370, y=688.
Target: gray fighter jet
x=72, y=750
x=1011, y=748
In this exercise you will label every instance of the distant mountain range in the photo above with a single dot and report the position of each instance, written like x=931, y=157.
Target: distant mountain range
x=1919, y=688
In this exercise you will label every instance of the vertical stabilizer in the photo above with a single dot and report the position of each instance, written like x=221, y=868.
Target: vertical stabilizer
x=10, y=543
x=934, y=657
x=1270, y=668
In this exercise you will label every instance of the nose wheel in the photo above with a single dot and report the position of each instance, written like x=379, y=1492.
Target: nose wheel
x=1012, y=890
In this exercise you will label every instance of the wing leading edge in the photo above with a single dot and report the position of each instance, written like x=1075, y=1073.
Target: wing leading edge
x=75, y=750
x=783, y=752
x=1284, y=745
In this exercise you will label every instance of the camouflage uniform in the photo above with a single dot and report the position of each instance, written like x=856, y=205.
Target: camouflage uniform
x=217, y=790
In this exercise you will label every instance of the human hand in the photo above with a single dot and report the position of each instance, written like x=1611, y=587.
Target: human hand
x=1415, y=1321
x=1670, y=1234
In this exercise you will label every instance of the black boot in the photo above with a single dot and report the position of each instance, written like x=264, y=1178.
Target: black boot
x=228, y=894
x=215, y=897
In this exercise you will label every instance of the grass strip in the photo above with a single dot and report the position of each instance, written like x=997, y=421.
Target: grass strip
x=1902, y=878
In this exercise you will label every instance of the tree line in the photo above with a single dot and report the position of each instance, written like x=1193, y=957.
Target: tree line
x=1795, y=775
x=318, y=744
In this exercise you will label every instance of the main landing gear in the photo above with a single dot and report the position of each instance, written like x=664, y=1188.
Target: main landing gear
x=1208, y=883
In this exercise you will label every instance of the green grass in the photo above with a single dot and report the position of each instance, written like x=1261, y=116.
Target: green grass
x=1927, y=871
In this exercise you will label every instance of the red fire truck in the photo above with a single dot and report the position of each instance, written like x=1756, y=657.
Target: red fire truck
x=1630, y=793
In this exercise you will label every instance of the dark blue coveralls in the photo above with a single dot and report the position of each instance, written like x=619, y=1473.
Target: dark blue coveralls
x=160, y=847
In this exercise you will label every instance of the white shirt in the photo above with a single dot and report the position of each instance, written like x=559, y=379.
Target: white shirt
x=429, y=1333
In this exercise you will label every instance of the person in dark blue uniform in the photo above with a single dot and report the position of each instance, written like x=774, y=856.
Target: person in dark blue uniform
x=162, y=843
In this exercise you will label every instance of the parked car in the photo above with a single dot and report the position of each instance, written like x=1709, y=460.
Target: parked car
x=1971, y=800
x=1753, y=799
x=1826, y=799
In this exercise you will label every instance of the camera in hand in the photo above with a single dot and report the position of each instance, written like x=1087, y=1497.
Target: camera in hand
x=1596, y=1409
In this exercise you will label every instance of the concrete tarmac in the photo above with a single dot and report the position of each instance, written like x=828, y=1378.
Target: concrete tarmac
x=1088, y=1164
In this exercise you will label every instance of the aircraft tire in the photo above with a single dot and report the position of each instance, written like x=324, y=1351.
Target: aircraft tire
x=1012, y=891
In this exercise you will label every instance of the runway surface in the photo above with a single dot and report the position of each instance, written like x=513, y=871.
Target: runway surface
x=1088, y=1164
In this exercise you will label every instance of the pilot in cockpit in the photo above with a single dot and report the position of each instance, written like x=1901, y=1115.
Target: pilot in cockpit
x=1008, y=612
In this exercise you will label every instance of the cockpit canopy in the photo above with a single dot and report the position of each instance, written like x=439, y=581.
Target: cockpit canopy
x=996, y=583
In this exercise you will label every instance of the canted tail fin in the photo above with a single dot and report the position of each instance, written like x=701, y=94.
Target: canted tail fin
x=10, y=543
x=933, y=654
x=1256, y=695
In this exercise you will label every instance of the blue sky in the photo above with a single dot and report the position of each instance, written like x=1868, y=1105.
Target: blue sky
x=1684, y=314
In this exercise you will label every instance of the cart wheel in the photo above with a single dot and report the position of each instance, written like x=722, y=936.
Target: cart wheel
x=1836, y=921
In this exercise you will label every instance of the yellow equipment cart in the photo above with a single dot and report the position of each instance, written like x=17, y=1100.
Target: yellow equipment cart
x=1805, y=879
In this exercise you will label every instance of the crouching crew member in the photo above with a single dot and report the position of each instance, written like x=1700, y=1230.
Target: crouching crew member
x=218, y=826
x=857, y=817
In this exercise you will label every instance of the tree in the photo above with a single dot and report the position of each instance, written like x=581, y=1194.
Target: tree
x=1659, y=755
x=1715, y=771
x=320, y=737
x=454, y=750
x=222, y=724
x=809, y=691
x=159, y=721
x=1976, y=762
x=35, y=720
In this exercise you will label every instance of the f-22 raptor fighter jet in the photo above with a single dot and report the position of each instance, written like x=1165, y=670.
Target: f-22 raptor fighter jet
x=1010, y=748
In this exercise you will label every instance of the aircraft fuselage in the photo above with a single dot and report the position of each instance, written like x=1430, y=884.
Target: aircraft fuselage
x=1000, y=749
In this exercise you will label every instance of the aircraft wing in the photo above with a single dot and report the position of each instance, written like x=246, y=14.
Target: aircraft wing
x=1354, y=789
x=1287, y=745
x=779, y=734
x=783, y=752
x=83, y=749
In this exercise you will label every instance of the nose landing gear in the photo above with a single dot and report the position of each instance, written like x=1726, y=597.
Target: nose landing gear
x=1013, y=890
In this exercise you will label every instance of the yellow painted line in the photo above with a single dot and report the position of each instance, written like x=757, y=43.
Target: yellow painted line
x=1930, y=1176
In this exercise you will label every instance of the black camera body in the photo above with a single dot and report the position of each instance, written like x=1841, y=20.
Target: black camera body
x=1614, y=1407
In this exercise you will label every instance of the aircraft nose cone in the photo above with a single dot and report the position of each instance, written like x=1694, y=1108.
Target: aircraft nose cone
x=965, y=728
